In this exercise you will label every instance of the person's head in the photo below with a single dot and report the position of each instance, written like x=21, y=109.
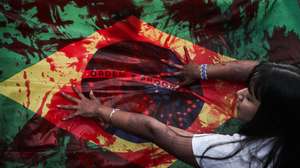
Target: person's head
x=271, y=101
x=270, y=109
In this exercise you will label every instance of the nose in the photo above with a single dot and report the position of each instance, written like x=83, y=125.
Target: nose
x=240, y=97
x=240, y=94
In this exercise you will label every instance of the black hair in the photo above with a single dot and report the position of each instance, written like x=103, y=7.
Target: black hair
x=277, y=87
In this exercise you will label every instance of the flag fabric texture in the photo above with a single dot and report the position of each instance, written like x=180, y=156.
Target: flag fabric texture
x=115, y=47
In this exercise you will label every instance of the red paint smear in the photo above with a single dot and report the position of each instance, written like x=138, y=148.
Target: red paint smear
x=127, y=30
x=78, y=51
x=214, y=90
x=85, y=128
x=43, y=103
x=74, y=82
x=51, y=63
x=25, y=75
x=51, y=79
x=27, y=85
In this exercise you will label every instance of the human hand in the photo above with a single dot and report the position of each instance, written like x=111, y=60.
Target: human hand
x=188, y=71
x=86, y=107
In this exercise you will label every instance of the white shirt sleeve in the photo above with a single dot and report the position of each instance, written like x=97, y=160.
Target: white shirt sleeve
x=202, y=142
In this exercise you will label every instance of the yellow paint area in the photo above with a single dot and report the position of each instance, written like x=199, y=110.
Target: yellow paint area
x=208, y=117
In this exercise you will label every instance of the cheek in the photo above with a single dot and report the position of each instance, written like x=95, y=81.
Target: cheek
x=246, y=111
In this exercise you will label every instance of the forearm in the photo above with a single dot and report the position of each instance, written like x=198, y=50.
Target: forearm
x=237, y=71
x=176, y=141
x=134, y=123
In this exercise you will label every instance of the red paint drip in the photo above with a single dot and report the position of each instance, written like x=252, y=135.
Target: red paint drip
x=25, y=75
x=51, y=63
x=27, y=85
x=43, y=103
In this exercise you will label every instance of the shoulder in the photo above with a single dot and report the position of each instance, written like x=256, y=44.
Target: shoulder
x=215, y=144
x=210, y=147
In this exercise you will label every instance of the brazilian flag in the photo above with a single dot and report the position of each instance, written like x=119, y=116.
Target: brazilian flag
x=115, y=47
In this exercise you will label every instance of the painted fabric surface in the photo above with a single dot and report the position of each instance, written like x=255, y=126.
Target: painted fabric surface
x=114, y=48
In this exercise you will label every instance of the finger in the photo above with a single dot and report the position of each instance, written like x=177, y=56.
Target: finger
x=76, y=90
x=71, y=116
x=92, y=96
x=68, y=107
x=69, y=97
x=185, y=83
x=172, y=64
x=186, y=55
x=170, y=73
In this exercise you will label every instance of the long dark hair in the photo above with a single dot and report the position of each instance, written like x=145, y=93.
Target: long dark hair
x=277, y=87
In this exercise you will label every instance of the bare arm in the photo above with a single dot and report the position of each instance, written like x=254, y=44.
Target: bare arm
x=237, y=71
x=232, y=71
x=176, y=141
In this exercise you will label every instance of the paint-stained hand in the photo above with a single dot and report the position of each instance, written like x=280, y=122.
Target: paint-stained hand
x=189, y=71
x=86, y=107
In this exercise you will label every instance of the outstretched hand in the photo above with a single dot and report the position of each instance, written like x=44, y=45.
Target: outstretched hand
x=188, y=71
x=86, y=107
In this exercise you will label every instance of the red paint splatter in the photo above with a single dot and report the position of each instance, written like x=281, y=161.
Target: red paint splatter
x=51, y=79
x=25, y=75
x=27, y=85
x=43, y=103
x=51, y=63
x=74, y=82
x=85, y=128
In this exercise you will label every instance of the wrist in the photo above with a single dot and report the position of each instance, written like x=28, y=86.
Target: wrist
x=200, y=71
x=203, y=71
x=104, y=113
x=197, y=74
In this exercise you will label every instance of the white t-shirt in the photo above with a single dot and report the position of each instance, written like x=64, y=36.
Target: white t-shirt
x=201, y=142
